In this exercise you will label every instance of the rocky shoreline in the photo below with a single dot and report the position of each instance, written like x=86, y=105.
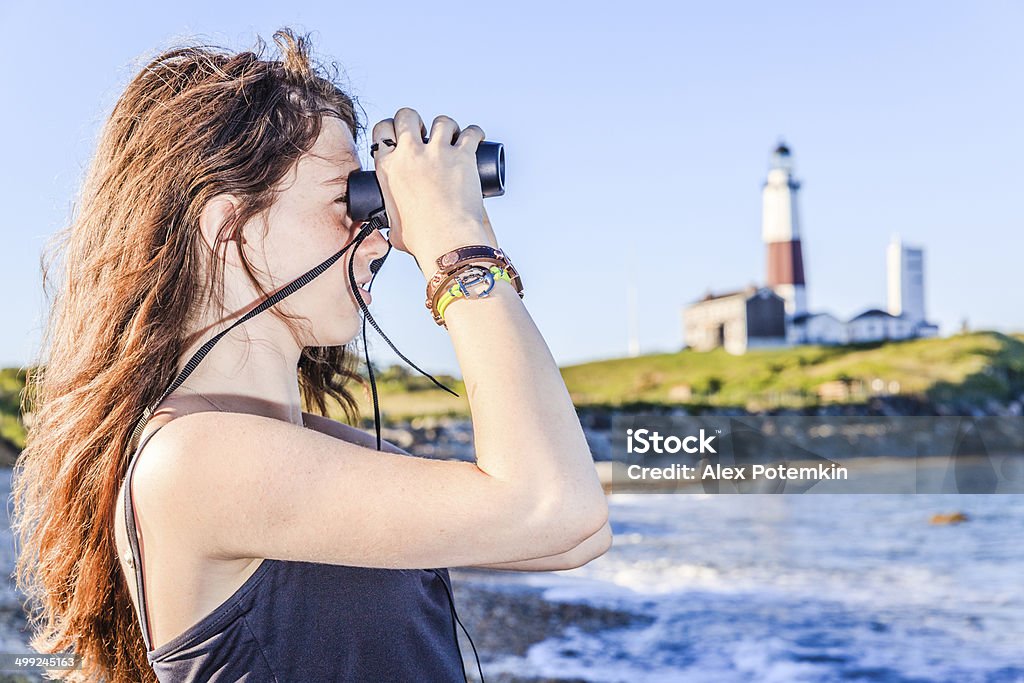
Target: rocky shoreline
x=505, y=618
x=452, y=437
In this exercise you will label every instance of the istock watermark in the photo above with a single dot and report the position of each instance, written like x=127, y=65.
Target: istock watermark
x=794, y=454
x=651, y=441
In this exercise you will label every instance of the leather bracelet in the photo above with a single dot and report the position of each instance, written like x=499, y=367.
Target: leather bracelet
x=448, y=262
x=453, y=261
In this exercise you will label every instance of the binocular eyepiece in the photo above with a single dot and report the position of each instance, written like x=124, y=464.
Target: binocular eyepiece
x=366, y=200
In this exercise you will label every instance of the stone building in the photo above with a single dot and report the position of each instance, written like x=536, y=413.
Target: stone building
x=749, y=318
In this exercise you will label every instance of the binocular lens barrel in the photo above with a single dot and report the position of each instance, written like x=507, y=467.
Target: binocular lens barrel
x=366, y=199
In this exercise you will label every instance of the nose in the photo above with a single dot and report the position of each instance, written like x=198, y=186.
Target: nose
x=375, y=245
x=371, y=248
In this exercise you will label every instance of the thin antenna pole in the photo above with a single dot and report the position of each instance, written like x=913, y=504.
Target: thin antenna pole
x=631, y=303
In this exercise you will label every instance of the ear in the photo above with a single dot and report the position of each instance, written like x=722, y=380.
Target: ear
x=213, y=219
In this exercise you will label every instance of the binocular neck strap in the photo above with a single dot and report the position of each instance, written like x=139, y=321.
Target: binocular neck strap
x=375, y=223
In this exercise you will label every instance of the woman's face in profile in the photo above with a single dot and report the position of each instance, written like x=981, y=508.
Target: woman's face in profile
x=308, y=223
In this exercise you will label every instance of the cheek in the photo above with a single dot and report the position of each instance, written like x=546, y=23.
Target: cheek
x=304, y=232
x=306, y=241
x=328, y=229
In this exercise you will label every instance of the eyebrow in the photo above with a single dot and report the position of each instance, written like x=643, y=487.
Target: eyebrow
x=344, y=177
x=336, y=181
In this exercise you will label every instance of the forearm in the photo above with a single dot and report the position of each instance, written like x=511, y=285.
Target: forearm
x=526, y=429
x=590, y=549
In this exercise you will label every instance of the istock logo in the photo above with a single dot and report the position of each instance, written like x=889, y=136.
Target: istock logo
x=647, y=441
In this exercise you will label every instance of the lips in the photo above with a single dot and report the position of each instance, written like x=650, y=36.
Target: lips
x=363, y=291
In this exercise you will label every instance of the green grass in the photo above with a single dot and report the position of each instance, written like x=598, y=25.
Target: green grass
x=12, y=382
x=971, y=367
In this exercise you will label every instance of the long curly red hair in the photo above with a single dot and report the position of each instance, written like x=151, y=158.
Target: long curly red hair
x=195, y=122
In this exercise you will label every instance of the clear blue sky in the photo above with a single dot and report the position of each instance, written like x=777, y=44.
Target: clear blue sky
x=633, y=131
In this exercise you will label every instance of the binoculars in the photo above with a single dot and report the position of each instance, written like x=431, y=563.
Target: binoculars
x=365, y=199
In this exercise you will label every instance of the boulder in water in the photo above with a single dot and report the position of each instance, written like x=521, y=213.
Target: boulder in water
x=949, y=518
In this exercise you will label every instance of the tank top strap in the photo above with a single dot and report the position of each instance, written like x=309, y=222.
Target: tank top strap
x=135, y=560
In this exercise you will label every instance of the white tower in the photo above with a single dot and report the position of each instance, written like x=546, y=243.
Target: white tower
x=780, y=230
x=906, y=280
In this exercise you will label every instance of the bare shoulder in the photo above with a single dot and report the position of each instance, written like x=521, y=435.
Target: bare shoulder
x=340, y=430
x=191, y=429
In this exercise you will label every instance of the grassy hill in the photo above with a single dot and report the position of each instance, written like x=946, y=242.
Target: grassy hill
x=971, y=368
x=963, y=367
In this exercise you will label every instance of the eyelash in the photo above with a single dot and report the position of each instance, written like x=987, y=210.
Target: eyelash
x=343, y=198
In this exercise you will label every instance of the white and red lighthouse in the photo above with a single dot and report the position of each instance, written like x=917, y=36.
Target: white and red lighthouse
x=780, y=230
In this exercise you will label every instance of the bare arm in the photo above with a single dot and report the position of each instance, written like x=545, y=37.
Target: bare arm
x=525, y=425
x=588, y=550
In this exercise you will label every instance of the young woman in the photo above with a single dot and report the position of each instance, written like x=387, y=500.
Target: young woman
x=246, y=536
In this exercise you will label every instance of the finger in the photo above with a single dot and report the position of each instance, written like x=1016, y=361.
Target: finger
x=385, y=128
x=383, y=131
x=385, y=144
x=445, y=129
x=471, y=137
x=409, y=126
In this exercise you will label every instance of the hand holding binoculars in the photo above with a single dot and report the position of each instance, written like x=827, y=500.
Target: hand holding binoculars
x=365, y=199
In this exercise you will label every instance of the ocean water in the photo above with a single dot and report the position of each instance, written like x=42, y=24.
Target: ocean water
x=797, y=588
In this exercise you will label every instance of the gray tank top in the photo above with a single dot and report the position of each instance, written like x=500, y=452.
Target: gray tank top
x=310, y=622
